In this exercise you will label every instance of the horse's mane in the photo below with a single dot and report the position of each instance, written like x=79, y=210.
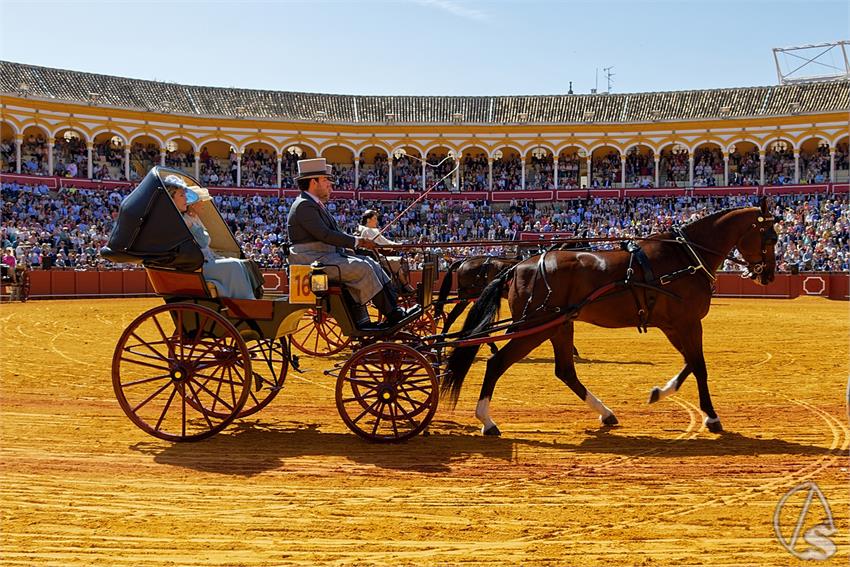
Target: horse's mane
x=712, y=216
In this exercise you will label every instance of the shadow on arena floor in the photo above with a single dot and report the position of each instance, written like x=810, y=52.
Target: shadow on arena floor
x=251, y=448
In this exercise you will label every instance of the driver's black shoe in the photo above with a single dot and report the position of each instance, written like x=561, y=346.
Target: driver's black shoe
x=400, y=313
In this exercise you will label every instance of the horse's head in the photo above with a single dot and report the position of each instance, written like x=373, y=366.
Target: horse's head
x=757, y=246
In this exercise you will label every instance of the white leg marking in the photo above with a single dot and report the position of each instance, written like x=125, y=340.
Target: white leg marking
x=668, y=389
x=711, y=420
x=597, y=405
x=482, y=412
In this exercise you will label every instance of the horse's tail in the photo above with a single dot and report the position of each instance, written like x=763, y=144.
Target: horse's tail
x=445, y=288
x=481, y=315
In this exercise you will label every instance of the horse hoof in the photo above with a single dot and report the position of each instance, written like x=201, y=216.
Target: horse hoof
x=609, y=421
x=713, y=424
x=654, y=395
x=492, y=430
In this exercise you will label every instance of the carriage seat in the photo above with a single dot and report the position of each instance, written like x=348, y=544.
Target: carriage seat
x=184, y=284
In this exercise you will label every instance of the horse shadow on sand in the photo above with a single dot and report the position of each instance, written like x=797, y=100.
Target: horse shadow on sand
x=253, y=447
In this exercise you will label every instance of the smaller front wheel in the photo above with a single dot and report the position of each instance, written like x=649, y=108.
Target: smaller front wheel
x=387, y=392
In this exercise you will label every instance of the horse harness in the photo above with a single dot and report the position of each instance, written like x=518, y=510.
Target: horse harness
x=650, y=286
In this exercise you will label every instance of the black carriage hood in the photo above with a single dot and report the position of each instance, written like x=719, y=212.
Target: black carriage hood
x=151, y=231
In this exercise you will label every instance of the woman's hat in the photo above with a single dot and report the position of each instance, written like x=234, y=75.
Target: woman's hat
x=174, y=183
x=313, y=168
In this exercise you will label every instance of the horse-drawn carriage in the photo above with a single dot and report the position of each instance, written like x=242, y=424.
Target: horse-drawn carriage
x=186, y=369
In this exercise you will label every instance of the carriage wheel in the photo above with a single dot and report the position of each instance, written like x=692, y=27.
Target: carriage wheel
x=425, y=325
x=181, y=372
x=318, y=334
x=387, y=392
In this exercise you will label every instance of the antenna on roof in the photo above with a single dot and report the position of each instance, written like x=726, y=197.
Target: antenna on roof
x=807, y=63
x=608, y=75
x=571, y=88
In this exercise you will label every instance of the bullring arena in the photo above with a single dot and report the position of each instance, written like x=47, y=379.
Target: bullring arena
x=291, y=485
x=83, y=486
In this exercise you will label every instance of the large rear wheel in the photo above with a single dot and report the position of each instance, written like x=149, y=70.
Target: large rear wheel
x=181, y=372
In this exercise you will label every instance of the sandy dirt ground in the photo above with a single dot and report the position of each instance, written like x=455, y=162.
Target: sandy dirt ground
x=81, y=485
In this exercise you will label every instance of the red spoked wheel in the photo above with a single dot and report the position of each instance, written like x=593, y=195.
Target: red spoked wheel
x=318, y=334
x=425, y=325
x=181, y=372
x=387, y=392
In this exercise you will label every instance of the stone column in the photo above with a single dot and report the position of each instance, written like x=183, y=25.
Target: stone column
x=279, y=172
x=623, y=172
x=657, y=169
x=162, y=156
x=589, y=173
x=490, y=173
x=357, y=172
x=19, y=140
x=832, y=165
x=390, y=172
x=726, y=156
x=424, y=183
x=555, y=166
x=89, y=148
x=457, y=174
x=198, y=166
x=690, y=171
x=126, y=163
x=523, y=174
x=761, y=166
x=796, y=166
x=50, y=158
x=239, y=169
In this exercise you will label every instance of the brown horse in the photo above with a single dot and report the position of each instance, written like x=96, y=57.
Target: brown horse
x=603, y=288
x=472, y=274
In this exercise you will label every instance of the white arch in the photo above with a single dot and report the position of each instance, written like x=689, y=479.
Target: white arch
x=330, y=145
x=544, y=145
x=40, y=127
x=636, y=144
x=97, y=133
x=815, y=137
x=435, y=146
x=603, y=145
x=569, y=145
x=192, y=142
x=744, y=139
x=76, y=129
x=506, y=145
x=293, y=142
x=137, y=135
x=14, y=126
x=473, y=145
x=782, y=138
x=241, y=149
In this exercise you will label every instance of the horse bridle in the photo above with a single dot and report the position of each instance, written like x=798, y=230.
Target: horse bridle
x=753, y=268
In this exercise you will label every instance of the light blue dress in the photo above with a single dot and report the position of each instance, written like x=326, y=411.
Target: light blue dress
x=230, y=275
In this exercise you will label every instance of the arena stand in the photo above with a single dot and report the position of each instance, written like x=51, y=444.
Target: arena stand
x=57, y=229
x=611, y=164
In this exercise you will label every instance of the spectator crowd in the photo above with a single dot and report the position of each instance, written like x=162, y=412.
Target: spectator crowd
x=66, y=228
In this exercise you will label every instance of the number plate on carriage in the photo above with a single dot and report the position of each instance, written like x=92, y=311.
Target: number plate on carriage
x=299, y=285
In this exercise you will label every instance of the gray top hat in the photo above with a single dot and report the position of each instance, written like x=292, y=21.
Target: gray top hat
x=312, y=168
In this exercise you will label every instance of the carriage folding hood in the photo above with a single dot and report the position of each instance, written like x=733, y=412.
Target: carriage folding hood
x=151, y=231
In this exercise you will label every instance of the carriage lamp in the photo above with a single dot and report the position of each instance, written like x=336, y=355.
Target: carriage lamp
x=318, y=277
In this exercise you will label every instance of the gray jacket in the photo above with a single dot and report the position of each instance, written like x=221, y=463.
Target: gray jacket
x=308, y=221
x=315, y=235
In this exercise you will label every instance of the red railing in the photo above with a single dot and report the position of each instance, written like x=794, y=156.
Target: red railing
x=52, y=284
x=493, y=196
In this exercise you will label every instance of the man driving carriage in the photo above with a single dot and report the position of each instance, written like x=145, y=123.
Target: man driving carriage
x=315, y=236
